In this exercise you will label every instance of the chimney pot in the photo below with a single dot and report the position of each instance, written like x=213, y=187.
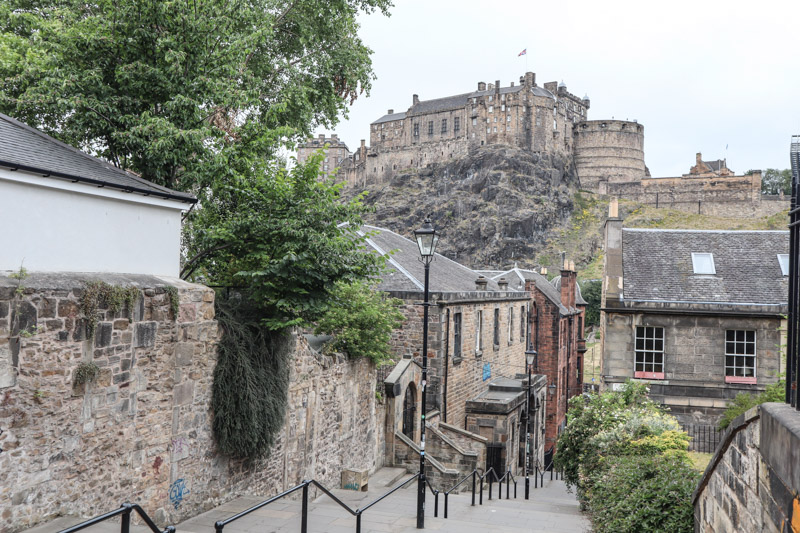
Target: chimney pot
x=512, y=83
x=481, y=283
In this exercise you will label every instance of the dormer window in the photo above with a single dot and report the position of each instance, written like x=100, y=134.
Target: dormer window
x=783, y=260
x=703, y=263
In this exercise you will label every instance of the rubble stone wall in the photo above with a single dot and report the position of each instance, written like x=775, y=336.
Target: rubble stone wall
x=141, y=431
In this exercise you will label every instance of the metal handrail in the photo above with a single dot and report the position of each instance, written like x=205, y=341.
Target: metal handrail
x=125, y=523
x=220, y=525
x=435, y=497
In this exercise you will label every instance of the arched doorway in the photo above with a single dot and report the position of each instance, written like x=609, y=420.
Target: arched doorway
x=409, y=411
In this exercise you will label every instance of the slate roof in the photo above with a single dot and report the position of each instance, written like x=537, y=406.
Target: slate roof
x=28, y=149
x=407, y=273
x=716, y=165
x=578, y=296
x=516, y=278
x=390, y=118
x=657, y=266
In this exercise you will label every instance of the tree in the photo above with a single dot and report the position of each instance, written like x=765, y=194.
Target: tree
x=166, y=88
x=591, y=290
x=200, y=95
x=775, y=181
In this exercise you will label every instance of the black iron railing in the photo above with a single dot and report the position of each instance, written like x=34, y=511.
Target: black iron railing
x=704, y=437
x=793, y=342
x=124, y=513
x=477, y=486
x=357, y=513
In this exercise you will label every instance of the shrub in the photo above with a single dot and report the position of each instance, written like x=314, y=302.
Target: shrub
x=644, y=493
x=361, y=319
x=744, y=401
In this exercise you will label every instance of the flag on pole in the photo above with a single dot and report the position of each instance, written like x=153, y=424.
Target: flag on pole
x=524, y=52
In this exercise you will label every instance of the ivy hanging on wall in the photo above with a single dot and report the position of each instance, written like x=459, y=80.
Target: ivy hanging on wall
x=251, y=381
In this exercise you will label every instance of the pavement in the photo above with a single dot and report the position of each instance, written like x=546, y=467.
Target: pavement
x=550, y=508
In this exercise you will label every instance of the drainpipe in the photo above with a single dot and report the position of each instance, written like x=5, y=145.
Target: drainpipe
x=446, y=364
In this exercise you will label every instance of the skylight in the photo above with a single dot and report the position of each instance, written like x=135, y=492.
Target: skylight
x=703, y=263
x=783, y=260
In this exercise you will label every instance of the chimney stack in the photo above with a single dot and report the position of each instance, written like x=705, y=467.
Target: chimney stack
x=415, y=99
x=497, y=85
x=491, y=86
x=481, y=86
x=613, y=208
x=391, y=112
x=481, y=282
x=503, y=284
x=544, y=271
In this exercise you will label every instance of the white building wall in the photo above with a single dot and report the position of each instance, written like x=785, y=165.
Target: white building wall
x=53, y=225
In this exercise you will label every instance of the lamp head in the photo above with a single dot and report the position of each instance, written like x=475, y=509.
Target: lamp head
x=427, y=239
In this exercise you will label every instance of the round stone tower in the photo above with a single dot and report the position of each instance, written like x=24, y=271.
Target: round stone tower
x=608, y=150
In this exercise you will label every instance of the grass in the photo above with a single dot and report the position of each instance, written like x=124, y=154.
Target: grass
x=700, y=460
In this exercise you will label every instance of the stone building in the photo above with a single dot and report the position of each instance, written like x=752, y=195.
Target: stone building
x=697, y=314
x=335, y=152
x=528, y=116
x=476, y=355
x=556, y=319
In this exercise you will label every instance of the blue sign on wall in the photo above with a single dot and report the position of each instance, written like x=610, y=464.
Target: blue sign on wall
x=487, y=371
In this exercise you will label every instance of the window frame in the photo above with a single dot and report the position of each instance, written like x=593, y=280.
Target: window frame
x=430, y=127
x=657, y=335
x=510, y=324
x=744, y=343
x=696, y=257
x=496, y=336
x=784, y=263
x=444, y=126
x=456, y=125
x=457, y=336
x=479, y=333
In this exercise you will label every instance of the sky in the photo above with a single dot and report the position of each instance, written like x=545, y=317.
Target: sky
x=700, y=76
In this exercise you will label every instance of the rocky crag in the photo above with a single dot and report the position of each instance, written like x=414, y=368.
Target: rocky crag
x=494, y=207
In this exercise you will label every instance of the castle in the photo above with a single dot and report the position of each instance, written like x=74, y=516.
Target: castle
x=607, y=155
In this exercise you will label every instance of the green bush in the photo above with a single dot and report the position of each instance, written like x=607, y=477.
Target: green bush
x=744, y=401
x=643, y=493
x=361, y=319
x=627, y=459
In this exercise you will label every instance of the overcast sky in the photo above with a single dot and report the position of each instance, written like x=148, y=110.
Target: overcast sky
x=698, y=75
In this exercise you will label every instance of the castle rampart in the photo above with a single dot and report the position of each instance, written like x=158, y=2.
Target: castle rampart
x=609, y=151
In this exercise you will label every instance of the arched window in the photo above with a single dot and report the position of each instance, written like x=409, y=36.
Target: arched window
x=409, y=411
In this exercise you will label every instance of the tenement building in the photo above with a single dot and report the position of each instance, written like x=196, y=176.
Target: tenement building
x=696, y=314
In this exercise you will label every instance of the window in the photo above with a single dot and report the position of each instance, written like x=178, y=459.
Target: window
x=479, y=333
x=491, y=109
x=495, y=129
x=444, y=125
x=456, y=124
x=457, y=336
x=510, y=325
x=649, y=362
x=783, y=260
x=703, y=263
x=491, y=97
x=497, y=326
x=430, y=127
x=740, y=356
x=488, y=130
x=474, y=121
x=522, y=323
x=508, y=118
x=416, y=129
x=503, y=107
x=495, y=119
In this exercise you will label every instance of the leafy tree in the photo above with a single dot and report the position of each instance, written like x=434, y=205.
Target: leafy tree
x=361, y=320
x=591, y=290
x=775, y=181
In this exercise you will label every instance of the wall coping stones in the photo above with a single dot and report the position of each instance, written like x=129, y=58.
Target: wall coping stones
x=41, y=281
x=738, y=424
x=428, y=459
x=780, y=442
x=450, y=442
x=464, y=432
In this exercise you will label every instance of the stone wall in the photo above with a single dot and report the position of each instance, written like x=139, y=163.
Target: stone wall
x=142, y=430
x=752, y=481
x=608, y=151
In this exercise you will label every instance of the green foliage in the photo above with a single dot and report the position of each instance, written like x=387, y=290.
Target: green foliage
x=643, y=493
x=85, y=373
x=591, y=290
x=618, y=449
x=174, y=300
x=20, y=276
x=361, y=319
x=745, y=401
x=251, y=381
x=100, y=295
x=775, y=181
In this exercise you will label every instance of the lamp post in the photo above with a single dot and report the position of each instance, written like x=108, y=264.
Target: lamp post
x=427, y=238
x=530, y=359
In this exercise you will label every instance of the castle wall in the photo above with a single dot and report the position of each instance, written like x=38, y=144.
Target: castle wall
x=731, y=196
x=609, y=151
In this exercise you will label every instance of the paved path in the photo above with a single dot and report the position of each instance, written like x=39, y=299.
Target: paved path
x=549, y=509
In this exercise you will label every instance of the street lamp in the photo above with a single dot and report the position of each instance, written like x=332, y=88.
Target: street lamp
x=530, y=359
x=427, y=239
